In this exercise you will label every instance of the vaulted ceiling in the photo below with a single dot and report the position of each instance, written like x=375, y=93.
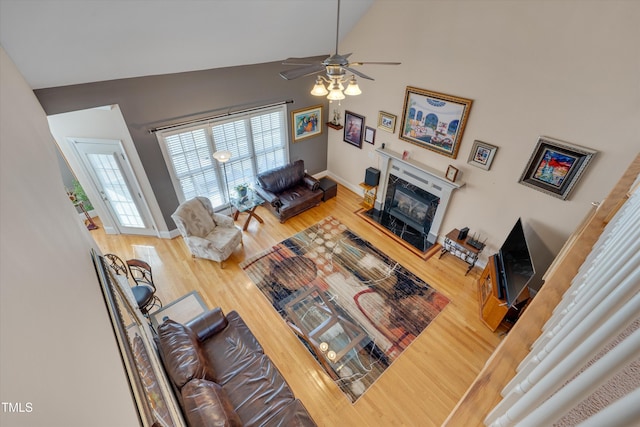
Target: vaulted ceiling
x=64, y=42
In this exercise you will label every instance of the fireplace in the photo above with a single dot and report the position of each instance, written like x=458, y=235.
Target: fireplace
x=415, y=199
x=411, y=207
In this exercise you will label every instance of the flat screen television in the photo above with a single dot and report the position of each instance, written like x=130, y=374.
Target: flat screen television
x=514, y=265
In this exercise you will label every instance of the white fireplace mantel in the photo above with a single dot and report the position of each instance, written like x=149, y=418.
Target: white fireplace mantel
x=420, y=175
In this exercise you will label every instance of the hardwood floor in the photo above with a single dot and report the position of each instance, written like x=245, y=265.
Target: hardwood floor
x=419, y=389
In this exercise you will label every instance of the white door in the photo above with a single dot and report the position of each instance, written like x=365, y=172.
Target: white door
x=107, y=165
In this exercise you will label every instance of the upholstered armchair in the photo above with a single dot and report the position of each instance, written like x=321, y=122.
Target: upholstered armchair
x=207, y=234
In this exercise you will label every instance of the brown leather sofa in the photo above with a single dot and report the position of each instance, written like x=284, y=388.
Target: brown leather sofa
x=288, y=190
x=223, y=377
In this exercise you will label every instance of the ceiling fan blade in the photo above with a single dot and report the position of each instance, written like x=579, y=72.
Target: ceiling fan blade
x=302, y=71
x=358, y=73
x=310, y=60
x=378, y=63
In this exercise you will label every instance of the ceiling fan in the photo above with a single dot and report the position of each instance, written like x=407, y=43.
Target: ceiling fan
x=335, y=66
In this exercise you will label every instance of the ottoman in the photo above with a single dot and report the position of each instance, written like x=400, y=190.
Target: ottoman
x=329, y=187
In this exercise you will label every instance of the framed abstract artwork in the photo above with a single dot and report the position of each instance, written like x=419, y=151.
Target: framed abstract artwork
x=353, y=128
x=306, y=122
x=555, y=166
x=434, y=121
x=482, y=154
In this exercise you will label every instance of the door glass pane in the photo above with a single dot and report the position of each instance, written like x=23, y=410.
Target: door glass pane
x=116, y=190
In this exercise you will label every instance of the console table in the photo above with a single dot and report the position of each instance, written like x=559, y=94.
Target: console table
x=461, y=249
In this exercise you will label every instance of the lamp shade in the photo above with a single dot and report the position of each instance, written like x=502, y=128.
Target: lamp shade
x=319, y=89
x=335, y=92
x=222, y=156
x=353, y=88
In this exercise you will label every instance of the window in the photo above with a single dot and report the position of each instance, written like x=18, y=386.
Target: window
x=257, y=142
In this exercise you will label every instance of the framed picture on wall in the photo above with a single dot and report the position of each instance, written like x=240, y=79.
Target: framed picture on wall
x=369, y=135
x=387, y=121
x=434, y=121
x=555, y=166
x=306, y=122
x=482, y=154
x=353, y=128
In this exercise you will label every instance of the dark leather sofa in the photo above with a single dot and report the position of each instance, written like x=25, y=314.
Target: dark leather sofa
x=288, y=190
x=223, y=377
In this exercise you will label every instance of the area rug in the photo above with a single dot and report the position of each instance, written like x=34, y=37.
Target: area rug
x=354, y=308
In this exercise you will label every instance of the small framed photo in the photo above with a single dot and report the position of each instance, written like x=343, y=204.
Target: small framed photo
x=369, y=135
x=387, y=121
x=452, y=173
x=405, y=155
x=353, y=128
x=306, y=122
x=482, y=154
x=555, y=166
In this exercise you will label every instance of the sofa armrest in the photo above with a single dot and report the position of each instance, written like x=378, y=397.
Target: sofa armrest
x=311, y=183
x=208, y=323
x=269, y=197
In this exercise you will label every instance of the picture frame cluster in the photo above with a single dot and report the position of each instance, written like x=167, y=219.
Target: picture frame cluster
x=436, y=121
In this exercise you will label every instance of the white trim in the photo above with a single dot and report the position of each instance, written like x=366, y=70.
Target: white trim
x=96, y=198
x=207, y=125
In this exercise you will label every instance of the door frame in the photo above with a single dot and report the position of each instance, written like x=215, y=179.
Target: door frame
x=109, y=224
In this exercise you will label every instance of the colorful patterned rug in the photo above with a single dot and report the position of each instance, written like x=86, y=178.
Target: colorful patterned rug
x=353, y=307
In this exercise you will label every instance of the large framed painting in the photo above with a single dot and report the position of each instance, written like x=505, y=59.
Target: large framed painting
x=353, y=128
x=306, y=122
x=434, y=121
x=555, y=166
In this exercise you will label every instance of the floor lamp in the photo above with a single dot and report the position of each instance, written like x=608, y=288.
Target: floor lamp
x=223, y=157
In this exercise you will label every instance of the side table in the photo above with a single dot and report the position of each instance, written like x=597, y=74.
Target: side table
x=248, y=204
x=461, y=249
x=370, y=192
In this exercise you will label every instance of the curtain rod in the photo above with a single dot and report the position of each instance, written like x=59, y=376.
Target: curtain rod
x=229, y=113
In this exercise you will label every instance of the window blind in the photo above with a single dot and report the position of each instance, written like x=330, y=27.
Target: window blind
x=257, y=143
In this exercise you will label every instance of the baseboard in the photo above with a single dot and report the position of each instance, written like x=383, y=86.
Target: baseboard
x=169, y=234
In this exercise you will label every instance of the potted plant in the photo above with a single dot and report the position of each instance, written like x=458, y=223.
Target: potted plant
x=241, y=189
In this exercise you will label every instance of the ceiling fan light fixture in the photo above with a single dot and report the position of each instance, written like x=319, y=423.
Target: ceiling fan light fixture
x=319, y=89
x=335, y=94
x=353, y=88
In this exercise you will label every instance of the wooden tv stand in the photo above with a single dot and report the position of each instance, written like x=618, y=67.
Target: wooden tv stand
x=493, y=310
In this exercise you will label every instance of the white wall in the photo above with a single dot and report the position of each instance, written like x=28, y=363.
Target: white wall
x=57, y=350
x=103, y=123
x=565, y=69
